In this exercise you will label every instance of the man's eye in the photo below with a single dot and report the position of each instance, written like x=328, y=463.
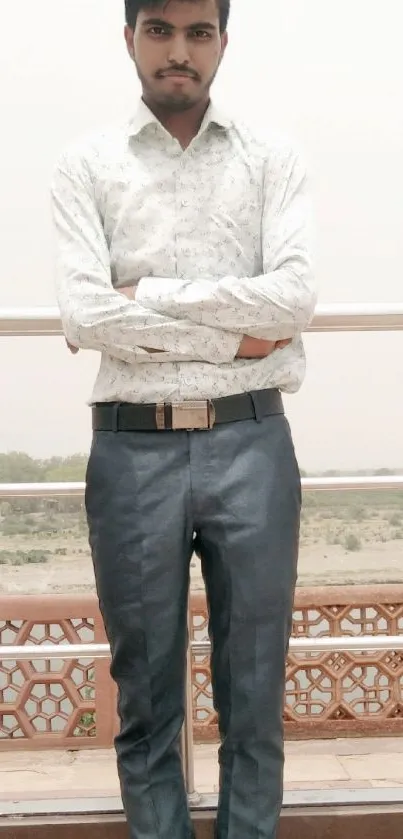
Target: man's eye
x=201, y=34
x=158, y=30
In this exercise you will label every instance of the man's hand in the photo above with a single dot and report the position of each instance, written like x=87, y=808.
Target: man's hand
x=257, y=348
x=130, y=293
x=250, y=347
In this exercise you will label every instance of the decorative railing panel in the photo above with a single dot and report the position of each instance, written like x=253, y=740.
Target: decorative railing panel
x=327, y=694
x=52, y=703
x=71, y=704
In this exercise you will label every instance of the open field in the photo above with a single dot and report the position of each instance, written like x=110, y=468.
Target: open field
x=345, y=539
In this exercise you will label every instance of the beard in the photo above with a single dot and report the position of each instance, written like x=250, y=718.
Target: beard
x=174, y=102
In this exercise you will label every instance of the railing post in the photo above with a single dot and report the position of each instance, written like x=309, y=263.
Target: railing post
x=187, y=731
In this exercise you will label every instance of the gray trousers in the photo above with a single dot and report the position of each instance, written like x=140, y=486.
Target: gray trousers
x=233, y=495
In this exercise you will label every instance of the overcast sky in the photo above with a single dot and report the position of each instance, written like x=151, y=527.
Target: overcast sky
x=329, y=75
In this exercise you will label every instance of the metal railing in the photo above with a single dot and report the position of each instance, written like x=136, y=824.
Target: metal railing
x=340, y=318
x=353, y=484
x=71, y=652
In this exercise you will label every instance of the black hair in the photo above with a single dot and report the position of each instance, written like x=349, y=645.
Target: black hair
x=133, y=7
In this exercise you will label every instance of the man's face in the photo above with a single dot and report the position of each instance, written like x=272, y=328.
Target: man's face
x=177, y=49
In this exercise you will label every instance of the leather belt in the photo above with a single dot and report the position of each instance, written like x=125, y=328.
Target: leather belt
x=186, y=416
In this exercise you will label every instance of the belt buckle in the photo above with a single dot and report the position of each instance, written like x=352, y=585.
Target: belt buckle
x=193, y=416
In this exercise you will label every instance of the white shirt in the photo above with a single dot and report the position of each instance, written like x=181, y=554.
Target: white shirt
x=217, y=240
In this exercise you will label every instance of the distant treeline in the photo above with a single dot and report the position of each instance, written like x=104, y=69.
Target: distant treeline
x=19, y=467
x=16, y=467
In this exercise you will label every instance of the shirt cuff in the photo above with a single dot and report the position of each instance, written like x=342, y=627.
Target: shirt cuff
x=150, y=291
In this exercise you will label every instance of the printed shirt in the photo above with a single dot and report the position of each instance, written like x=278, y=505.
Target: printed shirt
x=215, y=238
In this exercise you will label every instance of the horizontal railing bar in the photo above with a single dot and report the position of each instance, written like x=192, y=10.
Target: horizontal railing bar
x=364, y=317
x=344, y=643
x=339, y=317
x=343, y=484
x=60, y=490
x=69, y=652
x=42, y=490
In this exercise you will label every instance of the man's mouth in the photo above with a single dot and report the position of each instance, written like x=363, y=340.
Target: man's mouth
x=176, y=74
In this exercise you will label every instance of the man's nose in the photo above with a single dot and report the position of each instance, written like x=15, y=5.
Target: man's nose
x=179, y=51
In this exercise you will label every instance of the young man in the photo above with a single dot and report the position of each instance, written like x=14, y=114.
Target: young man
x=184, y=258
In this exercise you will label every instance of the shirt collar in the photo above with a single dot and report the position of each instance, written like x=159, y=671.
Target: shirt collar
x=143, y=117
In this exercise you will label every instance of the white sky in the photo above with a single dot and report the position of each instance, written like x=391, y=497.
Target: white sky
x=328, y=74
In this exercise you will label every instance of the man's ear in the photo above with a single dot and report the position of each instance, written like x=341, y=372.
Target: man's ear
x=224, y=44
x=129, y=38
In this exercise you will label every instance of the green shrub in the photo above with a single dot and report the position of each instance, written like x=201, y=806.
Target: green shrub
x=85, y=723
x=358, y=513
x=352, y=542
x=16, y=560
x=5, y=557
x=15, y=527
x=35, y=557
x=24, y=557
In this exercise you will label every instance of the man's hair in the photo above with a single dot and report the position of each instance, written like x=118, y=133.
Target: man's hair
x=133, y=7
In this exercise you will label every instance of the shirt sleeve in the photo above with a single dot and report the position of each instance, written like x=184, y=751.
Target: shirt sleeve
x=94, y=315
x=279, y=303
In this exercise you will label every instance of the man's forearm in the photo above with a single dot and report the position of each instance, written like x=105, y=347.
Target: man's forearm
x=128, y=332
x=94, y=315
x=279, y=303
x=248, y=348
x=271, y=308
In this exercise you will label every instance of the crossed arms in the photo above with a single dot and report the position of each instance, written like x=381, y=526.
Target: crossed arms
x=167, y=319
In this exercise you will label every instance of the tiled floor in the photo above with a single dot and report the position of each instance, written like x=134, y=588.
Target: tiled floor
x=322, y=764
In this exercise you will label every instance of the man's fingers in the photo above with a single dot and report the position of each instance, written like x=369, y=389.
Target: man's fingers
x=255, y=348
x=280, y=345
x=129, y=292
x=73, y=350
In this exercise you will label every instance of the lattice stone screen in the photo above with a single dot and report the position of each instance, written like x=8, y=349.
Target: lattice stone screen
x=60, y=703
x=72, y=704
x=327, y=694
x=49, y=696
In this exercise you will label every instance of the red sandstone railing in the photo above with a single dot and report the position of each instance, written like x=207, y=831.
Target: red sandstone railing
x=329, y=694
x=71, y=704
x=45, y=704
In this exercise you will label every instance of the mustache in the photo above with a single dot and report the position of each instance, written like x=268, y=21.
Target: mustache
x=183, y=71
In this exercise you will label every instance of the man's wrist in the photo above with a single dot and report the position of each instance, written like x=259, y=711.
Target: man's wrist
x=128, y=291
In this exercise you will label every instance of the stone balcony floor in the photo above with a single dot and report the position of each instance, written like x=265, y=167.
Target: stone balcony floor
x=315, y=764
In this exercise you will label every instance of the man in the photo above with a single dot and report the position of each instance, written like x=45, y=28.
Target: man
x=183, y=257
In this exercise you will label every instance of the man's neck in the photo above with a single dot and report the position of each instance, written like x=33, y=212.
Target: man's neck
x=183, y=125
